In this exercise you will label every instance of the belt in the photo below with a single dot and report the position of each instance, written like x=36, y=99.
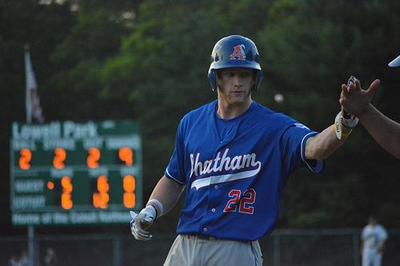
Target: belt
x=203, y=237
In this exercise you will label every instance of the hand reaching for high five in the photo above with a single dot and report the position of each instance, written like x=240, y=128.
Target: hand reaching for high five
x=354, y=99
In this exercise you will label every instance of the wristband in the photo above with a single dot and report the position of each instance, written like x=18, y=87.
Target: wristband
x=340, y=135
x=157, y=205
x=341, y=123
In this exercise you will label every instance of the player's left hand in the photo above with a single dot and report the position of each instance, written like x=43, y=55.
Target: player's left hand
x=345, y=121
x=350, y=121
x=344, y=126
x=141, y=222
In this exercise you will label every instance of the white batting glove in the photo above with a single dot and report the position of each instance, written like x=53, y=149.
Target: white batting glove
x=141, y=222
x=343, y=121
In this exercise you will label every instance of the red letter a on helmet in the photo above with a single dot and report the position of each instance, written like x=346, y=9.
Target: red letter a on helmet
x=238, y=53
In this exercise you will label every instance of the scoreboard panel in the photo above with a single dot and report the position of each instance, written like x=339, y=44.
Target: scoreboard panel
x=69, y=173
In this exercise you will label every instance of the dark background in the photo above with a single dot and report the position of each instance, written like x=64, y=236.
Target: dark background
x=148, y=61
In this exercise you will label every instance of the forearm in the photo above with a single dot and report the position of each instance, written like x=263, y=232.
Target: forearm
x=323, y=145
x=383, y=129
x=167, y=192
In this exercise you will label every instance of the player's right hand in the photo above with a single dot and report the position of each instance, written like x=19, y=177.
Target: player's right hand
x=141, y=222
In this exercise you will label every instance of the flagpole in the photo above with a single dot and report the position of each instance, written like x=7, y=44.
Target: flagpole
x=28, y=75
x=30, y=83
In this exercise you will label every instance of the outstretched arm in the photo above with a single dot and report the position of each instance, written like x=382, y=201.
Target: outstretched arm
x=328, y=141
x=384, y=130
x=324, y=144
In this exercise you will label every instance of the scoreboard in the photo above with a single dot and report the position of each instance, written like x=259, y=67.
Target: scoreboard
x=69, y=173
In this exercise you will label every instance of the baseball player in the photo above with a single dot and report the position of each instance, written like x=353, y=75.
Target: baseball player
x=373, y=239
x=232, y=157
x=357, y=101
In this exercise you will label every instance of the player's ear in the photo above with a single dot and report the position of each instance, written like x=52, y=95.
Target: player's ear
x=219, y=74
x=253, y=83
x=219, y=78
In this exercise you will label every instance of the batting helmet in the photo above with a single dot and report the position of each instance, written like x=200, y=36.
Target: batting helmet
x=395, y=62
x=234, y=51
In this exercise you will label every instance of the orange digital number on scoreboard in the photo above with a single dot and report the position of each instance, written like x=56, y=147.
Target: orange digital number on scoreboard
x=60, y=155
x=125, y=154
x=66, y=196
x=129, y=186
x=93, y=158
x=25, y=158
x=101, y=198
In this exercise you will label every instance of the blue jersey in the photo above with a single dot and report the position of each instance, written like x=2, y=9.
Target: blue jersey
x=234, y=170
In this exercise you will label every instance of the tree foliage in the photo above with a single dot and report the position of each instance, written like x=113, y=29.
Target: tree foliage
x=148, y=61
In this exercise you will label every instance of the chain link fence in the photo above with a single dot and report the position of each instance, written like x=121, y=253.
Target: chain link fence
x=282, y=248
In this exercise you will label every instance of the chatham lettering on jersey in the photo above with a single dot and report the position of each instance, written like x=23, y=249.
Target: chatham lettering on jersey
x=243, y=165
x=222, y=163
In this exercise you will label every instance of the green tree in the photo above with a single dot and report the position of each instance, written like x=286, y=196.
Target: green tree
x=24, y=22
x=148, y=61
x=162, y=69
x=311, y=48
x=96, y=35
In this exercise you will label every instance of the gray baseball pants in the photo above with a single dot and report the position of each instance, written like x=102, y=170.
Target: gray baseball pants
x=189, y=250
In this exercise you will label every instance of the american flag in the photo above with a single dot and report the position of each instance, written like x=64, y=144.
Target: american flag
x=34, y=111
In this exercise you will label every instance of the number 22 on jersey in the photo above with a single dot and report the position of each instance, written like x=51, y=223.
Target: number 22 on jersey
x=241, y=203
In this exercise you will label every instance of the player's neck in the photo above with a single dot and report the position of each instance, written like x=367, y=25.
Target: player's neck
x=226, y=110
